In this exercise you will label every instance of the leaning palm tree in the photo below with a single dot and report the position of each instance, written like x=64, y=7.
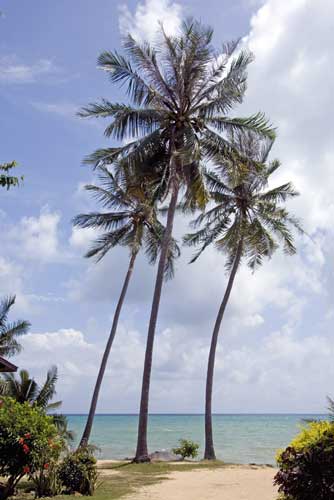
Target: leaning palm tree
x=181, y=91
x=131, y=221
x=9, y=332
x=248, y=222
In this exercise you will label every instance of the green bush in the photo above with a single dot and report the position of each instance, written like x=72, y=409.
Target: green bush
x=187, y=449
x=47, y=482
x=307, y=465
x=29, y=443
x=78, y=472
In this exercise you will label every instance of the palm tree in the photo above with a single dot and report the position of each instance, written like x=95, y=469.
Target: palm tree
x=246, y=221
x=9, y=332
x=25, y=389
x=181, y=92
x=131, y=221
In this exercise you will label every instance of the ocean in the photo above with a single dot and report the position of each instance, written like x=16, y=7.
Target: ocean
x=239, y=438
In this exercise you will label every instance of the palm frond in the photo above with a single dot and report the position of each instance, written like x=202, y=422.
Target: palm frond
x=48, y=390
x=256, y=123
x=120, y=71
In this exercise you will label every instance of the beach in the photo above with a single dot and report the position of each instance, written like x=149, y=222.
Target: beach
x=232, y=482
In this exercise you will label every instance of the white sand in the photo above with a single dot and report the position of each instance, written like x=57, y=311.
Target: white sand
x=231, y=483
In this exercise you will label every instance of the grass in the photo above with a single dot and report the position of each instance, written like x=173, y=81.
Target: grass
x=120, y=479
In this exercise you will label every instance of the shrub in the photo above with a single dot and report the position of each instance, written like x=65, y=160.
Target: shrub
x=187, y=449
x=307, y=465
x=78, y=472
x=47, y=482
x=28, y=443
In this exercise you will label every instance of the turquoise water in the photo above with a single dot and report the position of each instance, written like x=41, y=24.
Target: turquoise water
x=238, y=438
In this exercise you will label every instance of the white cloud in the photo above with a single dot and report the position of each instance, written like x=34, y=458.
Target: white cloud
x=291, y=80
x=270, y=374
x=81, y=239
x=14, y=71
x=37, y=238
x=11, y=283
x=143, y=24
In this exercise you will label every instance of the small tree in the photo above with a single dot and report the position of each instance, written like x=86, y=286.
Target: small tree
x=306, y=467
x=78, y=472
x=29, y=443
x=187, y=449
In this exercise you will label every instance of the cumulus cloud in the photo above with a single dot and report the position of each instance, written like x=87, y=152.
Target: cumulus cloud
x=38, y=237
x=269, y=374
x=291, y=80
x=143, y=23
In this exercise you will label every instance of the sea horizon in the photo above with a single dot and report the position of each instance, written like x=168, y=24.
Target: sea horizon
x=240, y=437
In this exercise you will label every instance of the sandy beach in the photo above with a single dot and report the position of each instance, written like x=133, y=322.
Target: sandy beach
x=233, y=482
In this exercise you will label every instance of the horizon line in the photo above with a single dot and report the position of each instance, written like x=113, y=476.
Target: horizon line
x=201, y=414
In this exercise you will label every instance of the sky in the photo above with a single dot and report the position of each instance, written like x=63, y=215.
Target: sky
x=276, y=348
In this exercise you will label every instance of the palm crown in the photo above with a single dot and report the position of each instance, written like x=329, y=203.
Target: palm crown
x=10, y=331
x=131, y=219
x=24, y=388
x=245, y=213
x=181, y=91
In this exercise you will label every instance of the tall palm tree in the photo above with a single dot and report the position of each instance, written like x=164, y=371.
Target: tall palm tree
x=247, y=221
x=25, y=389
x=181, y=91
x=131, y=221
x=9, y=332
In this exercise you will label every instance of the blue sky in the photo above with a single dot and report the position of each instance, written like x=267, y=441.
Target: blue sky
x=277, y=349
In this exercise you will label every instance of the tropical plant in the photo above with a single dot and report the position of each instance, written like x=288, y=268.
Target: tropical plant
x=25, y=389
x=78, y=472
x=29, y=442
x=46, y=481
x=186, y=449
x=131, y=221
x=9, y=332
x=181, y=92
x=306, y=467
x=6, y=180
x=246, y=221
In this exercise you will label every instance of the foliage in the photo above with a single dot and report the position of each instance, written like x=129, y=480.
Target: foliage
x=307, y=465
x=310, y=435
x=6, y=180
x=24, y=388
x=181, y=91
x=78, y=472
x=244, y=209
x=131, y=220
x=10, y=331
x=29, y=442
x=187, y=449
x=46, y=481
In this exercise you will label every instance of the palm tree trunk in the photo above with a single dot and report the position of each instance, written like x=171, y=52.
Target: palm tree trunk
x=92, y=409
x=209, y=453
x=142, y=453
